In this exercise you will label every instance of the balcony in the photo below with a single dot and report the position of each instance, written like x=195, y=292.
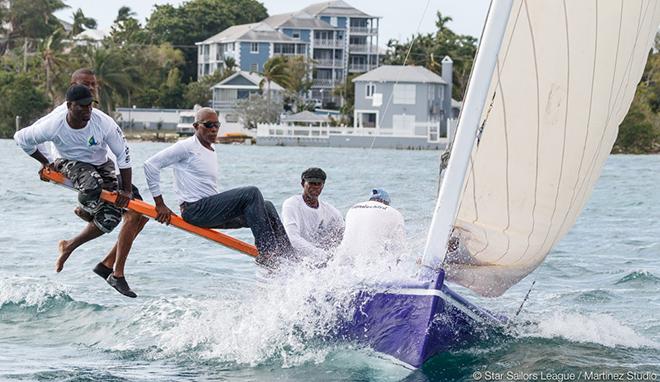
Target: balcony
x=325, y=83
x=328, y=43
x=363, y=30
x=360, y=68
x=327, y=62
x=361, y=48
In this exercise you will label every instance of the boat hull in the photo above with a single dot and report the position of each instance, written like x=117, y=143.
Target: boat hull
x=412, y=323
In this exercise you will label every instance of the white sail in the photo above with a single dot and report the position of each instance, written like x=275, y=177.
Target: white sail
x=565, y=77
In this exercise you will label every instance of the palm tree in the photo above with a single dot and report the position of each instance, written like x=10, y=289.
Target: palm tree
x=112, y=75
x=124, y=14
x=230, y=63
x=275, y=70
x=51, y=49
x=81, y=22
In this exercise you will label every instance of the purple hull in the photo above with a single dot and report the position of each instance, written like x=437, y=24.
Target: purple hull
x=414, y=322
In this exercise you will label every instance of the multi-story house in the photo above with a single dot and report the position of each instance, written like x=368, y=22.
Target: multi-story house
x=405, y=100
x=250, y=46
x=337, y=38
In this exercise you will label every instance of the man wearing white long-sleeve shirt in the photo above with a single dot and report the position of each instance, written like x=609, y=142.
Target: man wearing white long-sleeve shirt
x=314, y=226
x=82, y=140
x=111, y=268
x=195, y=164
x=373, y=228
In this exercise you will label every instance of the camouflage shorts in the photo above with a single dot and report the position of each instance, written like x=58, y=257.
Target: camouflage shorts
x=89, y=180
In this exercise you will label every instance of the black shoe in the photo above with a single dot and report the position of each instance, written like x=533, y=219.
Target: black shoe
x=102, y=270
x=120, y=284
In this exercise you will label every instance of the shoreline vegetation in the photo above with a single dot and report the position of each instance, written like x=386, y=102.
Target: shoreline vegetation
x=154, y=64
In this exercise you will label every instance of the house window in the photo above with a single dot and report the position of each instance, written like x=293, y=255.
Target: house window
x=254, y=68
x=404, y=94
x=254, y=47
x=403, y=123
x=295, y=35
x=371, y=88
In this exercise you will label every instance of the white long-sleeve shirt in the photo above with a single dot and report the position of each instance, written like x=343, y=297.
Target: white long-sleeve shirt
x=91, y=144
x=312, y=231
x=373, y=228
x=195, y=170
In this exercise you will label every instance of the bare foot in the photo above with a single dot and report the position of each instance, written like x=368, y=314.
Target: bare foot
x=64, y=255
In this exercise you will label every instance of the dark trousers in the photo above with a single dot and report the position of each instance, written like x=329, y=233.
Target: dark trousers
x=242, y=207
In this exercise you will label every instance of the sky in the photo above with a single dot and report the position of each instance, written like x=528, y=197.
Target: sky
x=399, y=19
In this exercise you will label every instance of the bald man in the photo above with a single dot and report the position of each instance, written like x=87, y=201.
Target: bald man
x=195, y=163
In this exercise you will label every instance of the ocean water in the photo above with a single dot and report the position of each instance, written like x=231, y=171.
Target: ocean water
x=200, y=316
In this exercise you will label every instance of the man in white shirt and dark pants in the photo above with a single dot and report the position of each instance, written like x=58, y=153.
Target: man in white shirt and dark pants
x=195, y=164
x=314, y=227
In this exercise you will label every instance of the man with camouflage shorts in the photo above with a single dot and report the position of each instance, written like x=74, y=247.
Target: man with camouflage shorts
x=82, y=139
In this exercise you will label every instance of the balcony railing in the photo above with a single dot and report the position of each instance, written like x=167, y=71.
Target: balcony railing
x=359, y=68
x=359, y=48
x=327, y=62
x=363, y=30
x=321, y=43
x=324, y=83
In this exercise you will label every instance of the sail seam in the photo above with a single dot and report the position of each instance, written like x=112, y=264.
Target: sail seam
x=583, y=190
x=563, y=151
x=538, y=132
x=472, y=173
x=624, y=79
x=586, y=136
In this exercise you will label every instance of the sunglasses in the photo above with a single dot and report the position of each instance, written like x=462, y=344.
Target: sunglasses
x=208, y=124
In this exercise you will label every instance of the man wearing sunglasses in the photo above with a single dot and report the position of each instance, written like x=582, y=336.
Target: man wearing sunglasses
x=195, y=164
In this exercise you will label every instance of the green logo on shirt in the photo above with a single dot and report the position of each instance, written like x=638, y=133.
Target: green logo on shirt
x=92, y=141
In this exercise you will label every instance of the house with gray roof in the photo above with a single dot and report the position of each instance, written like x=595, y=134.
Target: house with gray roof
x=240, y=86
x=404, y=100
x=250, y=45
x=338, y=38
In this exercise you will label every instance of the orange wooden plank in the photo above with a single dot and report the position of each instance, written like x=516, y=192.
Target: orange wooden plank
x=148, y=210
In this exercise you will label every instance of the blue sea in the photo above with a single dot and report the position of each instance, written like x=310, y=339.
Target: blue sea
x=593, y=314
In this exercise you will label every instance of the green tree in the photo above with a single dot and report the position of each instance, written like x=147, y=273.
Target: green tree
x=112, y=75
x=20, y=97
x=124, y=13
x=257, y=109
x=197, y=20
x=346, y=90
x=81, y=22
x=636, y=133
x=33, y=19
x=51, y=53
x=199, y=92
x=275, y=70
x=230, y=64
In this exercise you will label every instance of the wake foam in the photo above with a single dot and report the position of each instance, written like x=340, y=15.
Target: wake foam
x=32, y=292
x=593, y=328
x=288, y=320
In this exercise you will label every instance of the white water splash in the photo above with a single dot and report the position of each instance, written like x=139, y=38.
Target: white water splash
x=30, y=291
x=287, y=320
x=593, y=328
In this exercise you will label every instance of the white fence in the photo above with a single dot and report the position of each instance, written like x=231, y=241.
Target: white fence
x=427, y=130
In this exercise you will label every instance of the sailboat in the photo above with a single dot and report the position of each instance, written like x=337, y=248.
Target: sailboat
x=551, y=82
